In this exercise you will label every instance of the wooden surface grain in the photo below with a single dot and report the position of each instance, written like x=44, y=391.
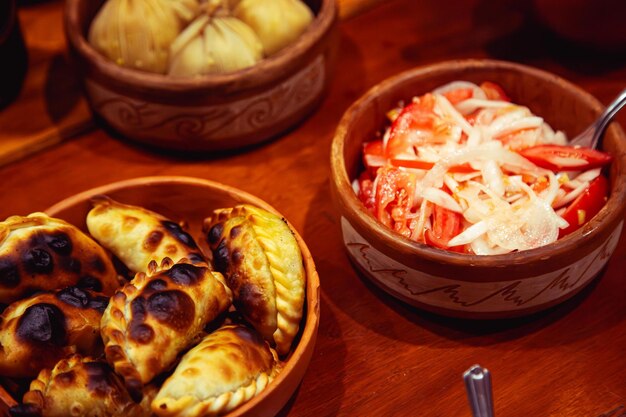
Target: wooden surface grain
x=376, y=356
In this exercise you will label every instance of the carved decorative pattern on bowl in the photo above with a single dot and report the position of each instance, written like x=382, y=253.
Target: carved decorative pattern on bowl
x=215, y=122
x=476, y=296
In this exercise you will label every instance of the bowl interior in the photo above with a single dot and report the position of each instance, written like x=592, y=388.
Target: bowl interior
x=564, y=106
x=191, y=200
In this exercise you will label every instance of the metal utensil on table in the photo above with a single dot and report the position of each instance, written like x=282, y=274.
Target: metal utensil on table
x=592, y=136
x=478, y=387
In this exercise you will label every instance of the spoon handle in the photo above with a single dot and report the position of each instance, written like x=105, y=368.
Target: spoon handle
x=605, y=118
x=478, y=387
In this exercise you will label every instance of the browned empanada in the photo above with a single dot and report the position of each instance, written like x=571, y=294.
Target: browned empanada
x=40, y=253
x=79, y=387
x=160, y=313
x=38, y=331
x=228, y=368
x=261, y=260
x=137, y=236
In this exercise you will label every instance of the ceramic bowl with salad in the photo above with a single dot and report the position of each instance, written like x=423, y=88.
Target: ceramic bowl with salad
x=458, y=191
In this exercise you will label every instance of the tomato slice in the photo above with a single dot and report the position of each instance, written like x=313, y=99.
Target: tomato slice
x=586, y=205
x=419, y=164
x=366, y=192
x=373, y=156
x=494, y=92
x=559, y=158
x=413, y=126
x=458, y=95
x=446, y=225
x=394, y=198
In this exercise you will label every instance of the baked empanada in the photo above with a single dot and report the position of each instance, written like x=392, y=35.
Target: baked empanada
x=228, y=368
x=160, y=313
x=41, y=253
x=137, y=236
x=38, y=331
x=79, y=387
x=261, y=260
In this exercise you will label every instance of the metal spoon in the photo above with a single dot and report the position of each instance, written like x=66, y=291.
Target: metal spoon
x=478, y=386
x=592, y=136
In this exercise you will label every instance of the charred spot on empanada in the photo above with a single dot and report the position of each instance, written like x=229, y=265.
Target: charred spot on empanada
x=37, y=331
x=260, y=258
x=79, y=297
x=40, y=253
x=79, y=386
x=226, y=369
x=136, y=235
x=159, y=314
x=42, y=324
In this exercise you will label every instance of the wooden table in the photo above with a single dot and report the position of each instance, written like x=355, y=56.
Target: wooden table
x=376, y=356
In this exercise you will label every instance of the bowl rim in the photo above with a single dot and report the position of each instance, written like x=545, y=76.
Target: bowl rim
x=312, y=297
x=359, y=217
x=267, y=70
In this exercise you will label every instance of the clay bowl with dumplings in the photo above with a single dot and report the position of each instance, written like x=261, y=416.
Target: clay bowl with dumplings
x=191, y=200
x=209, y=112
x=466, y=285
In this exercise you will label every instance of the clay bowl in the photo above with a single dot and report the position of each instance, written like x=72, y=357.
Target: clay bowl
x=192, y=199
x=473, y=286
x=212, y=112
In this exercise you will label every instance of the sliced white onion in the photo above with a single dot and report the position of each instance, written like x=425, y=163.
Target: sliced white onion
x=530, y=122
x=470, y=105
x=571, y=196
x=588, y=175
x=355, y=186
x=458, y=85
x=441, y=198
x=470, y=234
x=492, y=176
x=447, y=109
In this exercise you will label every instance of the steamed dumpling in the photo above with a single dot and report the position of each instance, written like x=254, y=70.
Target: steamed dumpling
x=214, y=43
x=278, y=23
x=138, y=33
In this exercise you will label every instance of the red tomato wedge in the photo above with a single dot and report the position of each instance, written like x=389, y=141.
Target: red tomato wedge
x=373, y=156
x=559, y=158
x=446, y=225
x=418, y=164
x=413, y=126
x=494, y=92
x=394, y=198
x=458, y=95
x=366, y=192
x=586, y=205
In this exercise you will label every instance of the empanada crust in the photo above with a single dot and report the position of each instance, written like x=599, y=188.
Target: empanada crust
x=41, y=253
x=137, y=235
x=79, y=387
x=160, y=313
x=228, y=368
x=230, y=233
x=38, y=331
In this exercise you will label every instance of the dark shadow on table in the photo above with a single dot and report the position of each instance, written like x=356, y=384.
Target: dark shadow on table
x=62, y=90
x=532, y=42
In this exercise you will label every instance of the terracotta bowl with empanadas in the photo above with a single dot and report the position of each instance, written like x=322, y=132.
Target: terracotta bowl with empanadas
x=178, y=199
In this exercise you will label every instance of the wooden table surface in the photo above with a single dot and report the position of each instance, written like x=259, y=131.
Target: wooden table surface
x=375, y=356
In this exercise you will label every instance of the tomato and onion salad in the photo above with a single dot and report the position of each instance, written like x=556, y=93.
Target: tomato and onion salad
x=464, y=169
